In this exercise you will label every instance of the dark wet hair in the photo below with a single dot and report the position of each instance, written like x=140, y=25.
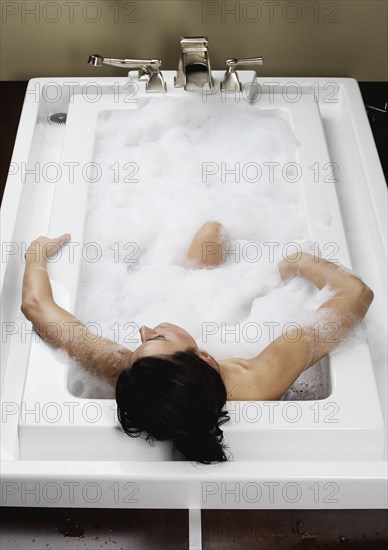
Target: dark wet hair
x=176, y=397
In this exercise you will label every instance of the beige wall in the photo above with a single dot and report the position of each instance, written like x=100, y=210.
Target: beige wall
x=344, y=38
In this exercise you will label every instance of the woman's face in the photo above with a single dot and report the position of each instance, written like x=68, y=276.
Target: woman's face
x=164, y=339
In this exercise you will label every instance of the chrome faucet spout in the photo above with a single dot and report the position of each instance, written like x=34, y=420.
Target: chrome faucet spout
x=194, y=71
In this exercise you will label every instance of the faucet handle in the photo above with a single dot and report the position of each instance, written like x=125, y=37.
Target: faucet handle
x=231, y=82
x=244, y=61
x=149, y=69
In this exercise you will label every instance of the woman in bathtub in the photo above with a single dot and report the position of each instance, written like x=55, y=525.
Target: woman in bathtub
x=170, y=388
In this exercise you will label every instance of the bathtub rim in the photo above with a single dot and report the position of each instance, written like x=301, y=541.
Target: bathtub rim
x=79, y=147
x=375, y=180
x=180, y=485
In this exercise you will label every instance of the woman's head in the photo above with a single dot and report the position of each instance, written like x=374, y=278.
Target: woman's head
x=165, y=339
x=178, y=396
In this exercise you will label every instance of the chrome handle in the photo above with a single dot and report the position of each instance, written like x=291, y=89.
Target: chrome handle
x=244, y=61
x=148, y=69
x=231, y=81
x=129, y=64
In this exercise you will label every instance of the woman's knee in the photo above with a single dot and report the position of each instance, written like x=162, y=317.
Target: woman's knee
x=212, y=227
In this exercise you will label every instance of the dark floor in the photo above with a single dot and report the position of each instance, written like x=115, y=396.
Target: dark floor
x=70, y=529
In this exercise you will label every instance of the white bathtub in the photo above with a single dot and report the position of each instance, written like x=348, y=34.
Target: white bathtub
x=302, y=454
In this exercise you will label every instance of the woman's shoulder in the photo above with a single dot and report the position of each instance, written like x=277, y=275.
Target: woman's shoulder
x=240, y=380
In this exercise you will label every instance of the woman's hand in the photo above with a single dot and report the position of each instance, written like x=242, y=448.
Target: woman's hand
x=36, y=283
x=43, y=247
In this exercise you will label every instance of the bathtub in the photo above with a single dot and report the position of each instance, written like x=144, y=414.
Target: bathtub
x=60, y=450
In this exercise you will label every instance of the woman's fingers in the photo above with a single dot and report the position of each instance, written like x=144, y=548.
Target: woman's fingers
x=44, y=247
x=52, y=246
x=63, y=239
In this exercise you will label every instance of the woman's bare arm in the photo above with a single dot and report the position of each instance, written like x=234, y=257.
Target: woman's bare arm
x=60, y=328
x=281, y=363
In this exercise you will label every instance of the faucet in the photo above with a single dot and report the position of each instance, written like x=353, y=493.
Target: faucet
x=194, y=64
x=231, y=82
x=149, y=69
x=193, y=72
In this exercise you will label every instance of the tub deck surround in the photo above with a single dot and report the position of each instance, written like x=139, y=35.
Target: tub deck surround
x=341, y=431
x=340, y=439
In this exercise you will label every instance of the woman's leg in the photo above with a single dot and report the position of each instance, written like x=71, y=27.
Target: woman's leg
x=207, y=246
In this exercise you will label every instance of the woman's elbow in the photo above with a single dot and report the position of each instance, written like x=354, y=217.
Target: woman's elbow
x=368, y=295
x=365, y=297
x=29, y=306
